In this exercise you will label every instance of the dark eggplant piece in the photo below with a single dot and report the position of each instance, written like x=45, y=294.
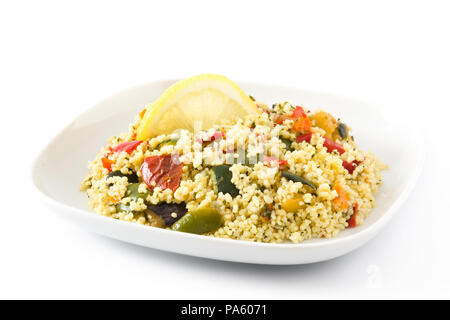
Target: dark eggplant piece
x=132, y=177
x=164, y=211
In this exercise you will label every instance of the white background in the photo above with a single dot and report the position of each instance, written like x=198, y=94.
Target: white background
x=57, y=58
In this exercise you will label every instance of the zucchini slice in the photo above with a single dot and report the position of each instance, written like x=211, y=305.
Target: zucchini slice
x=222, y=178
x=287, y=143
x=166, y=143
x=293, y=177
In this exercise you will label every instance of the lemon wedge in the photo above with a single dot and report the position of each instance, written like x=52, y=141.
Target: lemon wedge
x=202, y=100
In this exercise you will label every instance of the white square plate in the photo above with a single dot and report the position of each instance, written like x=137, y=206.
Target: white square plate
x=59, y=169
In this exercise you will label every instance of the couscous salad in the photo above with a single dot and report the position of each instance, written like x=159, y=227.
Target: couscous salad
x=206, y=158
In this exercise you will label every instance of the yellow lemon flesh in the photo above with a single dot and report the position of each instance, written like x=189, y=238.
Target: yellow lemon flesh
x=199, y=102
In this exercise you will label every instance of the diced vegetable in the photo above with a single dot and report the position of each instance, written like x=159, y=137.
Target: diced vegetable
x=302, y=125
x=162, y=171
x=222, y=177
x=288, y=143
x=133, y=192
x=352, y=221
x=154, y=219
x=166, y=143
x=199, y=221
x=266, y=213
x=331, y=145
x=293, y=177
x=123, y=208
x=132, y=177
x=291, y=205
x=274, y=161
x=328, y=143
x=342, y=129
x=341, y=201
x=350, y=166
x=115, y=198
x=127, y=146
x=298, y=113
x=169, y=212
x=325, y=121
x=107, y=163
x=304, y=137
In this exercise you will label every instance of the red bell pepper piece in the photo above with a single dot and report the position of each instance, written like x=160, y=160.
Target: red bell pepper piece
x=298, y=112
x=304, y=137
x=127, y=146
x=352, y=220
x=331, y=145
x=328, y=143
x=350, y=166
x=162, y=171
x=269, y=161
